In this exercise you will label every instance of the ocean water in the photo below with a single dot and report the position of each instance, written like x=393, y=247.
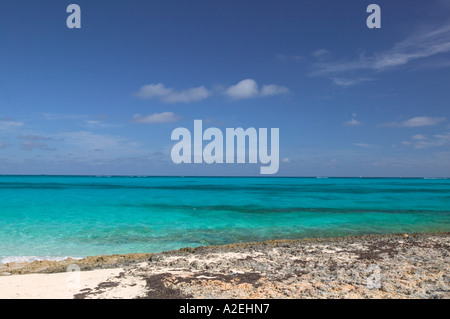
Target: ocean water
x=54, y=217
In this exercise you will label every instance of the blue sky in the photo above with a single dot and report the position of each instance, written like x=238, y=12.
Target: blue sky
x=104, y=99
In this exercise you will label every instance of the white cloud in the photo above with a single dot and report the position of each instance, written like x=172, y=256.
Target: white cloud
x=349, y=82
x=99, y=124
x=7, y=124
x=418, y=121
x=321, y=53
x=92, y=122
x=165, y=117
x=243, y=90
x=186, y=96
x=248, y=88
x=422, y=121
x=421, y=45
x=170, y=95
x=153, y=90
x=286, y=160
x=353, y=122
x=273, y=89
x=419, y=137
x=420, y=141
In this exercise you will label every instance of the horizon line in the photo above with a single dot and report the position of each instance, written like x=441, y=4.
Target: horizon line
x=224, y=176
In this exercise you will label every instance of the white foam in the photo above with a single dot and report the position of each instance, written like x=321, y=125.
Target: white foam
x=26, y=259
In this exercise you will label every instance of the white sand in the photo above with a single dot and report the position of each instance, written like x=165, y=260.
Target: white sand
x=55, y=286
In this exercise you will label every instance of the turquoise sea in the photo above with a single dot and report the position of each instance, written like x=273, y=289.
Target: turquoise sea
x=53, y=217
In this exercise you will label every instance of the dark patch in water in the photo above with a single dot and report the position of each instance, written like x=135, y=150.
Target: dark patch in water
x=256, y=209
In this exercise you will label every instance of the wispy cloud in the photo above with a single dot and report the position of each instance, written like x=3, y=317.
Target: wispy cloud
x=99, y=124
x=321, y=53
x=418, y=121
x=36, y=142
x=273, y=89
x=189, y=95
x=88, y=141
x=349, y=82
x=30, y=146
x=419, y=137
x=165, y=117
x=92, y=123
x=353, y=121
x=421, y=45
x=419, y=141
x=248, y=88
x=170, y=95
x=8, y=124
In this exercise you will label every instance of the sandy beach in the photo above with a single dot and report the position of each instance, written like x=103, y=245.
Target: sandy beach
x=373, y=266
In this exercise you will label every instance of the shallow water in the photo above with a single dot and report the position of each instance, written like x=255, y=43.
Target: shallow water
x=43, y=217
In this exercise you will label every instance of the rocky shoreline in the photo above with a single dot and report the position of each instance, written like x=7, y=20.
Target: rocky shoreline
x=372, y=266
